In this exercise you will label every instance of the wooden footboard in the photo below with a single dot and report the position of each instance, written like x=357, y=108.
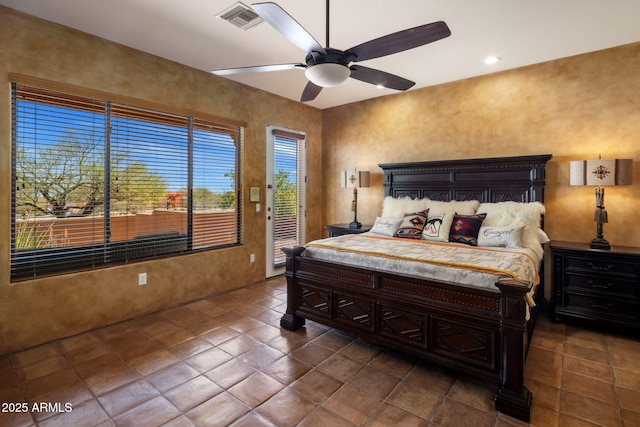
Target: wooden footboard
x=477, y=332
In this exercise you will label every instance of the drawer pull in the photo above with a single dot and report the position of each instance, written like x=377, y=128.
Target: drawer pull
x=600, y=306
x=600, y=285
x=600, y=268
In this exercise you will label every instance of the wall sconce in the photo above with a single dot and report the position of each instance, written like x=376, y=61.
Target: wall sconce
x=354, y=180
x=601, y=172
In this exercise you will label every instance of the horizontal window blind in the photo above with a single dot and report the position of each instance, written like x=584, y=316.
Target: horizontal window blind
x=288, y=196
x=215, y=186
x=97, y=182
x=59, y=157
x=149, y=182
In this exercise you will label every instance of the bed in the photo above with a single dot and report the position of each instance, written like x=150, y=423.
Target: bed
x=474, y=330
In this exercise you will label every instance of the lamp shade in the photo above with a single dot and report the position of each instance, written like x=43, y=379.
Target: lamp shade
x=601, y=172
x=360, y=179
x=328, y=74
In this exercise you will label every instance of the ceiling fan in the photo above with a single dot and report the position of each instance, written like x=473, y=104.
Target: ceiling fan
x=327, y=67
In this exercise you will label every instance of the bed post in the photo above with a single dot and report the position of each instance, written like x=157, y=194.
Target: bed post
x=512, y=397
x=289, y=320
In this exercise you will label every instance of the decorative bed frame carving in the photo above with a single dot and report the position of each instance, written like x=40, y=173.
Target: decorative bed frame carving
x=478, y=332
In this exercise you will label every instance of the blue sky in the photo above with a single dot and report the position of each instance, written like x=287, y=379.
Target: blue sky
x=161, y=148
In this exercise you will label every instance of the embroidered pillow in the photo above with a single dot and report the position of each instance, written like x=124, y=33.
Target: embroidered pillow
x=465, y=228
x=516, y=213
x=504, y=237
x=386, y=226
x=412, y=225
x=437, y=228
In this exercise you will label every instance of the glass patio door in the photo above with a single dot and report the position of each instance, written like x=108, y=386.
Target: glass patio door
x=285, y=201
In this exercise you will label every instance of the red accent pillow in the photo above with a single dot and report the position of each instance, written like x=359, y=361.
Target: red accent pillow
x=465, y=228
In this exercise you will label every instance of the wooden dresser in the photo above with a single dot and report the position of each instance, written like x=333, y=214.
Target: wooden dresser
x=597, y=285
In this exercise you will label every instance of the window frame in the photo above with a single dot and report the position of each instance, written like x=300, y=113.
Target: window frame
x=100, y=256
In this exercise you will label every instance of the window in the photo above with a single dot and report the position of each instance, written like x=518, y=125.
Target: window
x=98, y=182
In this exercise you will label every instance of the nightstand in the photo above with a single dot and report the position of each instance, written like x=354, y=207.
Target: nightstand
x=340, y=229
x=594, y=284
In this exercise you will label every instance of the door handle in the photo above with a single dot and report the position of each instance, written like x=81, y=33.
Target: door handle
x=269, y=186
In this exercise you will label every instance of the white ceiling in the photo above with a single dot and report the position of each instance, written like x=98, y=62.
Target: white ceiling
x=521, y=32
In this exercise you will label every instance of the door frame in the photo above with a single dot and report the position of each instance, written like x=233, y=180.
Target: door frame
x=272, y=131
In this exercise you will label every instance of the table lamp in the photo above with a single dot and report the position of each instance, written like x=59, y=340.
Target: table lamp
x=601, y=173
x=354, y=180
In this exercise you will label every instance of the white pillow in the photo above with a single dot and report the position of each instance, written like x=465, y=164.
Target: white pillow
x=542, y=236
x=466, y=207
x=501, y=236
x=396, y=208
x=514, y=214
x=386, y=226
x=438, y=226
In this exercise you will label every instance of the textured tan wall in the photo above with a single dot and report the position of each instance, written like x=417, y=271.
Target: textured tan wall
x=36, y=311
x=573, y=108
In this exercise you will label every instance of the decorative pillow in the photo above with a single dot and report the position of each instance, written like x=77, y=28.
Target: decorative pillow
x=437, y=228
x=513, y=214
x=543, y=237
x=386, y=226
x=465, y=207
x=497, y=236
x=465, y=228
x=396, y=207
x=412, y=225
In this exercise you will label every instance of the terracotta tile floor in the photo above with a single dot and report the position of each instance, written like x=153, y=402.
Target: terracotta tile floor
x=224, y=360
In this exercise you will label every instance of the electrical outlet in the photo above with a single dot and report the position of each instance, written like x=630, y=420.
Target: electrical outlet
x=252, y=258
x=142, y=279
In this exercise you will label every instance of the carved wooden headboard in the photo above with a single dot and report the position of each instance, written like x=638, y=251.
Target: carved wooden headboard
x=499, y=179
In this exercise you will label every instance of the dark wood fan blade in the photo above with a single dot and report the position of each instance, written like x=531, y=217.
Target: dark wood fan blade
x=377, y=77
x=282, y=22
x=257, y=69
x=310, y=92
x=400, y=41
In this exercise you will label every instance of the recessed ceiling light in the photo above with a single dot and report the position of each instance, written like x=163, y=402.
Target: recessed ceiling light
x=491, y=59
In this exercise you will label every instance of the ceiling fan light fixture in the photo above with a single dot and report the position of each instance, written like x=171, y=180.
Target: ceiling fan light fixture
x=328, y=74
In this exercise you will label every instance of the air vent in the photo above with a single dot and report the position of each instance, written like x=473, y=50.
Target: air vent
x=240, y=15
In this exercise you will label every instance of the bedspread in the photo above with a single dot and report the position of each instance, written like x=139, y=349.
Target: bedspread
x=456, y=263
